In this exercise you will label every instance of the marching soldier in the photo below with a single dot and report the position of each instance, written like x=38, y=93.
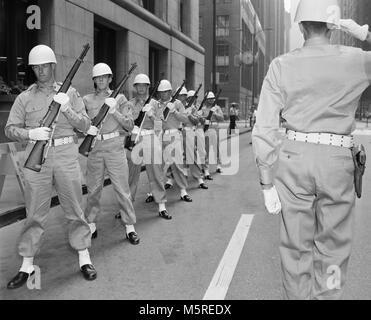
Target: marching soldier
x=169, y=175
x=172, y=137
x=317, y=88
x=61, y=166
x=192, y=143
x=108, y=152
x=151, y=145
x=212, y=135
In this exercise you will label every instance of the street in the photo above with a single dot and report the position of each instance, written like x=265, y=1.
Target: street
x=177, y=259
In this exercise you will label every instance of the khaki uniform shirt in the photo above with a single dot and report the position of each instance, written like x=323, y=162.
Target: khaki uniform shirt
x=217, y=117
x=137, y=105
x=175, y=119
x=317, y=88
x=31, y=106
x=122, y=118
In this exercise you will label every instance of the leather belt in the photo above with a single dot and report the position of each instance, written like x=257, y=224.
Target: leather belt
x=322, y=138
x=171, y=131
x=59, y=142
x=108, y=136
x=145, y=132
x=190, y=128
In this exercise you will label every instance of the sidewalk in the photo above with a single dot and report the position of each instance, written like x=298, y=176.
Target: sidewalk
x=12, y=202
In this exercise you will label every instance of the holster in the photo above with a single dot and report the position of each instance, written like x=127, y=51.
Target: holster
x=359, y=159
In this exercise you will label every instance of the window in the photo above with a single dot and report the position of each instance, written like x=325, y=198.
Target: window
x=104, y=47
x=148, y=5
x=223, y=73
x=222, y=26
x=222, y=54
x=200, y=25
x=181, y=16
x=16, y=41
x=190, y=73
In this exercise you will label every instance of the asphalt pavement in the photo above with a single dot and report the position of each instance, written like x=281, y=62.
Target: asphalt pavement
x=179, y=259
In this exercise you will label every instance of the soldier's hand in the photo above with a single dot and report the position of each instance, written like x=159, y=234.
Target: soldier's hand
x=64, y=100
x=112, y=103
x=39, y=134
x=93, y=131
x=199, y=113
x=213, y=109
x=171, y=107
x=272, y=201
x=354, y=29
x=147, y=108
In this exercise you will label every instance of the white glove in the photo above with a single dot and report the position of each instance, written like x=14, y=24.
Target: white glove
x=213, y=109
x=112, y=103
x=272, y=201
x=199, y=113
x=354, y=29
x=39, y=134
x=146, y=108
x=64, y=100
x=93, y=131
x=171, y=107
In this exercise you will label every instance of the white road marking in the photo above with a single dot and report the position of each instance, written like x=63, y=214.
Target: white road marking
x=219, y=285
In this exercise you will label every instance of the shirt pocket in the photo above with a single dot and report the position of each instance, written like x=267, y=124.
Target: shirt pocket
x=35, y=112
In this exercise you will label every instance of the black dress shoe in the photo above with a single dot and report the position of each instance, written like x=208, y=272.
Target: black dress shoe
x=94, y=235
x=89, y=272
x=133, y=238
x=210, y=178
x=165, y=215
x=203, y=186
x=19, y=280
x=219, y=170
x=186, y=198
x=150, y=198
x=168, y=186
x=118, y=216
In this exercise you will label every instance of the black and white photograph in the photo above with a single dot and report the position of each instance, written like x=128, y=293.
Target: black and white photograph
x=185, y=155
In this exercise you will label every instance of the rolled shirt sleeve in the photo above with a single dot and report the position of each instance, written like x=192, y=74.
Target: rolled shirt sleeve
x=265, y=136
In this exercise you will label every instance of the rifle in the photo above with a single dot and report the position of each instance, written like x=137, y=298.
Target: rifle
x=194, y=98
x=207, y=123
x=173, y=99
x=359, y=159
x=132, y=140
x=36, y=158
x=98, y=121
x=203, y=101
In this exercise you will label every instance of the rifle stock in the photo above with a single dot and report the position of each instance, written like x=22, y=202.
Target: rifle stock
x=86, y=145
x=35, y=159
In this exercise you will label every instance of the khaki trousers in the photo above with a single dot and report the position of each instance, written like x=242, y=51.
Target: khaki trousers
x=63, y=169
x=109, y=155
x=315, y=185
x=149, y=145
